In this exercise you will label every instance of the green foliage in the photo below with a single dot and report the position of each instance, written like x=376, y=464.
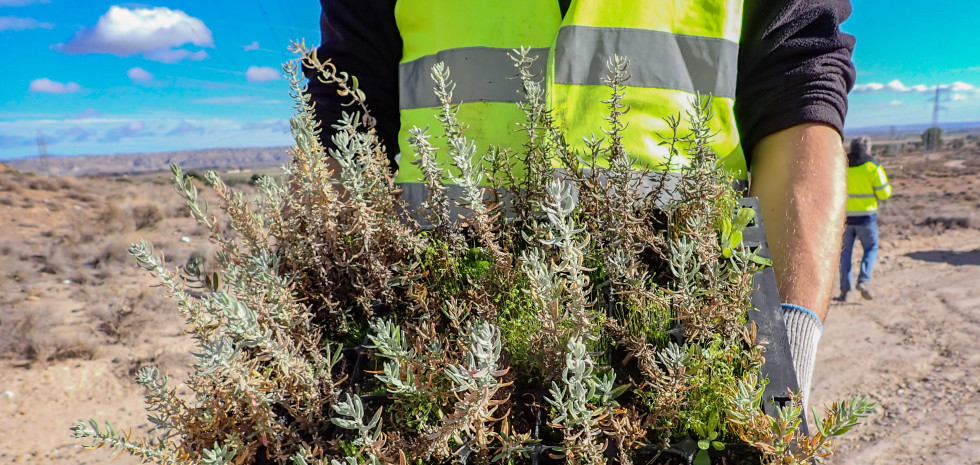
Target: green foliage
x=630, y=307
x=932, y=139
x=714, y=372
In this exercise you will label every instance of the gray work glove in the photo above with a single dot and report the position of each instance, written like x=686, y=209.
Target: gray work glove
x=803, y=329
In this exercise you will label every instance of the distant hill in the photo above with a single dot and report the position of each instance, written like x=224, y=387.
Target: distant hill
x=916, y=129
x=217, y=159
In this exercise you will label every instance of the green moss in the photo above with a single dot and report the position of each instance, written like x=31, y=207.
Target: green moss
x=518, y=321
x=417, y=412
x=714, y=369
x=650, y=318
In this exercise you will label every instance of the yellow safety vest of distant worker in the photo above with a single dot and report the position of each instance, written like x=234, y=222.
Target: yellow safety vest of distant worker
x=675, y=50
x=866, y=184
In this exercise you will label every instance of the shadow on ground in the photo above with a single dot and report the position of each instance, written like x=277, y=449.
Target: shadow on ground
x=951, y=257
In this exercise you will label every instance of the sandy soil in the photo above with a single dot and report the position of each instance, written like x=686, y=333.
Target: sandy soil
x=72, y=336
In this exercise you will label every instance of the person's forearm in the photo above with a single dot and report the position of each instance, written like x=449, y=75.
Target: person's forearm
x=799, y=176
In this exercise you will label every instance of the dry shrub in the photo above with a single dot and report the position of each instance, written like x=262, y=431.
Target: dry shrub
x=42, y=184
x=67, y=184
x=10, y=184
x=114, y=252
x=146, y=215
x=125, y=319
x=948, y=222
x=7, y=200
x=115, y=219
x=31, y=335
x=80, y=196
x=55, y=206
x=16, y=330
x=80, y=230
x=81, y=276
x=180, y=210
x=56, y=262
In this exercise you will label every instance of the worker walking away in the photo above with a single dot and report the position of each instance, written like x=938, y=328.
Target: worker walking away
x=867, y=183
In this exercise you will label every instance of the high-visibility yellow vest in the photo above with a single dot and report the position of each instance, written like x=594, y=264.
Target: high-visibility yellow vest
x=675, y=48
x=866, y=184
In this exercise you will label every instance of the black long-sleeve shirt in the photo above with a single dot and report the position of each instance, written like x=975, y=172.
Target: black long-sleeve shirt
x=794, y=64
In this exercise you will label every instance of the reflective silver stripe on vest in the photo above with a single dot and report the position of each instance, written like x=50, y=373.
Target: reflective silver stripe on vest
x=481, y=74
x=657, y=59
x=883, y=186
x=415, y=194
x=861, y=196
x=862, y=212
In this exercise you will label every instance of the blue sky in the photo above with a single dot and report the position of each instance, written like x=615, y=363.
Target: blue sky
x=905, y=49
x=99, y=77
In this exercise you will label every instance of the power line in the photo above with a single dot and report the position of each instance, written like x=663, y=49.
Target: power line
x=42, y=153
x=268, y=23
x=936, y=107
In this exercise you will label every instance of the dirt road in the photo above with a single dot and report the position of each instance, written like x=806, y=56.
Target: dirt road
x=914, y=350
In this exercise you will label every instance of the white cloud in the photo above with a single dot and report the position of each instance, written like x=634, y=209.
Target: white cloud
x=139, y=75
x=48, y=86
x=896, y=103
x=961, y=87
x=278, y=126
x=252, y=46
x=129, y=130
x=156, y=32
x=261, y=74
x=958, y=97
x=74, y=134
x=897, y=86
x=872, y=87
x=13, y=23
x=185, y=127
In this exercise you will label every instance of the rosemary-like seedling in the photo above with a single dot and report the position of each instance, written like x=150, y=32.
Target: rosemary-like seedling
x=602, y=307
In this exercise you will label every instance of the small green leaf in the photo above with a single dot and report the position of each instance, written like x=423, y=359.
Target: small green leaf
x=712, y=424
x=735, y=239
x=704, y=444
x=760, y=260
x=743, y=218
x=718, y=445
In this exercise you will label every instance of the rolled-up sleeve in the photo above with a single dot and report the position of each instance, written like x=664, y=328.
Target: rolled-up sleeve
x=794, y=67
